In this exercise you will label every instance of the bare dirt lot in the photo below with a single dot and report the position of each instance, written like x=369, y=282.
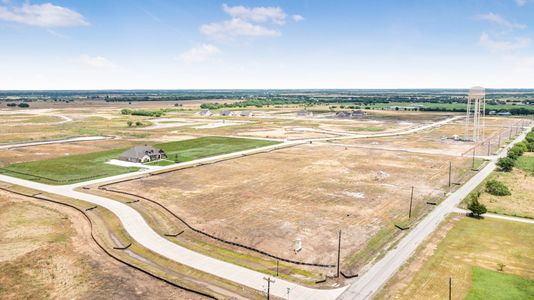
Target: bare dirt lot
x=46, y=252
x=308, y=192
x=439, y=140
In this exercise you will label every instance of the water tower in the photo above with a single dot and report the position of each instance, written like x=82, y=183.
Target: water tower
x=474, y=120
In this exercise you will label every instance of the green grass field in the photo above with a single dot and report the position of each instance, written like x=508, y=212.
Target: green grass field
x=469, y=245
x=79, y=168
x=69, y=169
x=208, y=146
x=489, y=285
x=525, y=163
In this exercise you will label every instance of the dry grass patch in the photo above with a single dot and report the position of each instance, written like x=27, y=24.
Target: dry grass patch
x=308, y=192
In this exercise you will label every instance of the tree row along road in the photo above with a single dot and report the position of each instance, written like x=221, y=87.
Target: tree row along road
x=142, y=233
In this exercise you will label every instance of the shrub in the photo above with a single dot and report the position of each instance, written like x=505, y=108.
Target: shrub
x=11, y=104
x=506, y=164
x=24, y=105
x=130, y=123
x=521, y=146
x=514, y=153
x=477, y=209
x=497, y=188
x=138, y=123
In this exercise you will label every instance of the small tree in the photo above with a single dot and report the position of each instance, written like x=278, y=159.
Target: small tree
x=497, y=188
x=130, y=123
x=477, y=209
x=500, y=267
x=506, y=164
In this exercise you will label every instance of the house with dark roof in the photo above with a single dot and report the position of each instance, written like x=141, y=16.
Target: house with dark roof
x=227, y=113
x=205, y=113
x=142, y=154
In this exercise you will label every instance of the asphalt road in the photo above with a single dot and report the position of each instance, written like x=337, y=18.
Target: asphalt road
x=366, y=286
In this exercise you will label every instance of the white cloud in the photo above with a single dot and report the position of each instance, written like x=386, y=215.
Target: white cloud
x=520, y=2
x=256, y=14
x=235, y=28
x=96, y=61
x=297, y=18
x=198, y=54
x=494, y=45
x=499, y=20
x=42, y=15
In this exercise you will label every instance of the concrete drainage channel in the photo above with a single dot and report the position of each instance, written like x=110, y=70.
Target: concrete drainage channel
x=106, y=251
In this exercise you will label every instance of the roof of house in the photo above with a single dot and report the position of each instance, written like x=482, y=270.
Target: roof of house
x=140, y=151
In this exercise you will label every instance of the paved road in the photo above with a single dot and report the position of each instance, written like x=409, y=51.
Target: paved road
x=55, y=141
x=495, y=216
x=138, y=229
x=370, y=283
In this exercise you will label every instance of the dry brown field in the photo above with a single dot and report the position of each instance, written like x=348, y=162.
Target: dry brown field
x=308, y=192
x=46, y=252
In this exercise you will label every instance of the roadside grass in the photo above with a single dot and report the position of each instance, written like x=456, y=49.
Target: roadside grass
x=470, y=243
x=208, y=146
x=161, y=163
x=519, y=203
x=525, y=162
x=489, y=285
x=69, y=169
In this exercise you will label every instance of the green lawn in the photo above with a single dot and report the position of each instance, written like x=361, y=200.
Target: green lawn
x=78, y=168
x=525, y=163
x=488, y=285
x=372, y=129
x=208, y=146
x=69, y=169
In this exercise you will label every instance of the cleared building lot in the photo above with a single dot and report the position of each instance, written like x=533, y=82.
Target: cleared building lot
x=308, y=192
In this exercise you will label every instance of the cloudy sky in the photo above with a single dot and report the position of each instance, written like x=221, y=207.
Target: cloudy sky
x=175, y=44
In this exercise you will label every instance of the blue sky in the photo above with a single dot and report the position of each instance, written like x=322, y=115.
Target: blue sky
x=104, y=44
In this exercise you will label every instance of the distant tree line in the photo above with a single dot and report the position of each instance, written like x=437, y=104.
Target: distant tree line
x=141, y=112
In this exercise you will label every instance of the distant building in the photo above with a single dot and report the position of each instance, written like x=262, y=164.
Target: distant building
x=246, y=113
x=142, y=154
x=351, y=114
x=227, y=113
x=304, y=113
x=205, y=113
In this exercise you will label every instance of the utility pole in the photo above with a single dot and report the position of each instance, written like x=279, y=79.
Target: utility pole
x=277, y=263
x=499, y=141
x=411, y=200
x=450, y=170
x=269, y=280
x=473, y=163
x=450, y=288
x=338, y=252
x=489, y=147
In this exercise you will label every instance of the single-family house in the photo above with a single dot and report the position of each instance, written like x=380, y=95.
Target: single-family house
x=205, y=113
x=227, y=113
x=142, y=154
